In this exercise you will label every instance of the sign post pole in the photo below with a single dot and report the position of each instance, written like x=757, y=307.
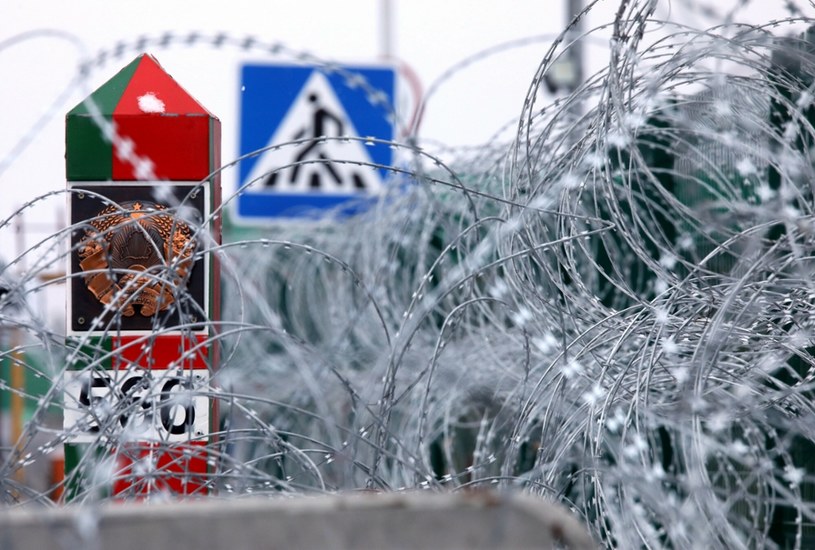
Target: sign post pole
x=144, y=197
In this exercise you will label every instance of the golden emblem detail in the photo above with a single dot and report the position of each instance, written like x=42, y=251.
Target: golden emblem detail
x=136, y=254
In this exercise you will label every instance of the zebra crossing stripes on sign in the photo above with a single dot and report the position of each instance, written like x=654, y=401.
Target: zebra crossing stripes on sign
x=312, y=132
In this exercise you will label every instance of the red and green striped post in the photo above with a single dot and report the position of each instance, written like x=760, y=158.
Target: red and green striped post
x=141, y=165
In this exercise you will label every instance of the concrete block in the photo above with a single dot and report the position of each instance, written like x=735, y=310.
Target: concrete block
x=469, y=520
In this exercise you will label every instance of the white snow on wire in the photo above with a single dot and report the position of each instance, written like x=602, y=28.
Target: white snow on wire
x=149, y=103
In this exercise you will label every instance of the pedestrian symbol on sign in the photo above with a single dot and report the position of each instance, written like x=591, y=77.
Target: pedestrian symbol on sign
x=312, y=130
x=318, y=160
x=321, y=120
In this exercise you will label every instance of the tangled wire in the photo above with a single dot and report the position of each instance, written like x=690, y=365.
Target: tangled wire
x=613, y=310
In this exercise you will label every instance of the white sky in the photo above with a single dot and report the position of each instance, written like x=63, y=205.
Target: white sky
x=430, y=36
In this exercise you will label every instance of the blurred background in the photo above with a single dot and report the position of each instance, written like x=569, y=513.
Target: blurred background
x=476, y=57
x=607, y=342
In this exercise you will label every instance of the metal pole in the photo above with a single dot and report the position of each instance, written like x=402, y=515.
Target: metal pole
x=386, y=29
x=17, y=373
x=574, y=7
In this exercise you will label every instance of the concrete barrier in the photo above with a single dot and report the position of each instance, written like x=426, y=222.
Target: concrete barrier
x=386, y=521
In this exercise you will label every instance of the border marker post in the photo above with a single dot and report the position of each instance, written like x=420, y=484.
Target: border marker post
x=144, y=198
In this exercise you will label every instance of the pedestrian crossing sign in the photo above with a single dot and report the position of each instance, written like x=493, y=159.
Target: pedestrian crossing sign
x=313, y=140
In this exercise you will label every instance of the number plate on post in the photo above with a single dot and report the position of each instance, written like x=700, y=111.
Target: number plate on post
x=136, y=405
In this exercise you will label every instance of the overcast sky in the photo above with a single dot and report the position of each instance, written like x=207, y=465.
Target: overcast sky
x=429, y=36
